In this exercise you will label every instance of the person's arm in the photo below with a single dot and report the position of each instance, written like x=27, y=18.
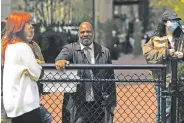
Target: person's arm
x=64, y=56
x=33, y=69
x=109, y=61
x=182, y=48
x=154, y=56
x=38, y=54
x=180, y=52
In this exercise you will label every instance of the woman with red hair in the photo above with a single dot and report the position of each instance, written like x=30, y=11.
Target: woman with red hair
x=21, y=71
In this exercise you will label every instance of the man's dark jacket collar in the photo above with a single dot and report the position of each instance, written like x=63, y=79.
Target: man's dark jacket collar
x=97, y=48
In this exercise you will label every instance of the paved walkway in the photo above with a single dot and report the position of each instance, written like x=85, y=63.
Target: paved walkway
x=127, y=60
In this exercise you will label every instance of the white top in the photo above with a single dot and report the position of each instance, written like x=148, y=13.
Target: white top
x=20, y=91
x=172, y=43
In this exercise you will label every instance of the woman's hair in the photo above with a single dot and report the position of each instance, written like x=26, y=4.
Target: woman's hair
x=3, y=27
x=14, y=24
x=161, y=30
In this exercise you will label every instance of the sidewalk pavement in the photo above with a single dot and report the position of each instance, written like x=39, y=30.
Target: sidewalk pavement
x=129, y=59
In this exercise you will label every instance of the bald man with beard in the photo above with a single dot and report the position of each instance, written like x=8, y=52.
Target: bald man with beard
x=93, y=102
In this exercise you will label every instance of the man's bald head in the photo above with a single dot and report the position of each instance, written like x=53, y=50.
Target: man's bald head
x=85, y=24
x=86, y=34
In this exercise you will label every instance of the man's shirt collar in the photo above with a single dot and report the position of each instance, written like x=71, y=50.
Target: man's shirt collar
x=90, y=46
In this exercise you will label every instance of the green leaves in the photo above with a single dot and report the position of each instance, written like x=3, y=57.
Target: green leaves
x=181, y=70
x=176, y=5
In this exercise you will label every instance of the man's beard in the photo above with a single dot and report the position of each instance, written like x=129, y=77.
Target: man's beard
x=86, y=41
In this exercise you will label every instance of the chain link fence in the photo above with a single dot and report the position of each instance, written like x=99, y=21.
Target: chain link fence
x=136, y=97
x=135, y=93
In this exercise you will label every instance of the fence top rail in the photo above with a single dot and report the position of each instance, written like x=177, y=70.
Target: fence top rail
x=106, y=66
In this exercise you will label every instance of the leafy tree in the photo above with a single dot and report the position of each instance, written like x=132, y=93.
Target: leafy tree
x=176, y=5
x=82, y=10
x=181, y=70
x=45, y=11
x=54, y=11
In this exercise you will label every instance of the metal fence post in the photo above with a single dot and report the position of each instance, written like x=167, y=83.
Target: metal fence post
x=159, y=101
x=174, y=64
x=163, y=96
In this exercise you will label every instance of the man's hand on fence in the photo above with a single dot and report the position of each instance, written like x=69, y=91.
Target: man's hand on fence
x=61, y=64
x=179, y=54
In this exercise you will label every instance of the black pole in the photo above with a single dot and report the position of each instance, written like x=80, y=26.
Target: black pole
x=174, y=65
x=93, y=14
x=51, y=12
x=163, y=96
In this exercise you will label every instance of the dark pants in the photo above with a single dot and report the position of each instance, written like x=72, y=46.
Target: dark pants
x=29, y=117
x=86, y=112
x=92, y=112
x=45, y=115
x=168, y=105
